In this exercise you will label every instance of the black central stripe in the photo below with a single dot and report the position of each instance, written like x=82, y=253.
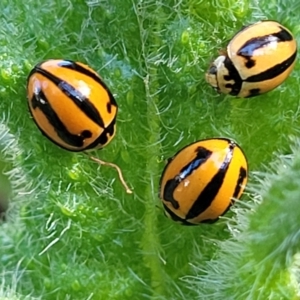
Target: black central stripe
x=202, y=155
x=79, y=100
x=272, y=72
x=248, y=49
x=69, y=64
x=39, y=100
x=211, y=190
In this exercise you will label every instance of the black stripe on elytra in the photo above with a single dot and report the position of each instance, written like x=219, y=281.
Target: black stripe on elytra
x=232, y=76
x=69, y=64
x=272, y=72
x=104, y=137
x=39, y=100
x=242, y=175
x=241, y=178
x=211, y=190
x=248, y=49
x=202, y=155
x=174, y=217
x=72, y=93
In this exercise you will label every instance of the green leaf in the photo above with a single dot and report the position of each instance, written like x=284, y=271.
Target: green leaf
x=71, y=231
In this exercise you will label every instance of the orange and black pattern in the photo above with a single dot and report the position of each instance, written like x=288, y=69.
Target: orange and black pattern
x=71, y=105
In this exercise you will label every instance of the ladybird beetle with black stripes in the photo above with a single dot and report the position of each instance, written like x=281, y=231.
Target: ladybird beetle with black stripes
x=258, y=59
x=71, y=104
x=73, y=107
x=202, y=180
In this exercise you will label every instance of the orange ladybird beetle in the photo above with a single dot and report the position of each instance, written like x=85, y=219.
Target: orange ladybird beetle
x=258, y=59
x=201, y=181
x=72, y=106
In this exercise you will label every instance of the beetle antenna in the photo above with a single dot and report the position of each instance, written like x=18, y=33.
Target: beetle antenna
x=105, y=163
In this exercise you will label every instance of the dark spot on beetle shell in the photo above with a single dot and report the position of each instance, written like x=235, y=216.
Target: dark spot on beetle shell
x=250, y=63
x=86, y=134
x=253, y=92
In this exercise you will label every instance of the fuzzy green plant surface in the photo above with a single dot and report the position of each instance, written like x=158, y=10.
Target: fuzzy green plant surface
x=72, y=232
